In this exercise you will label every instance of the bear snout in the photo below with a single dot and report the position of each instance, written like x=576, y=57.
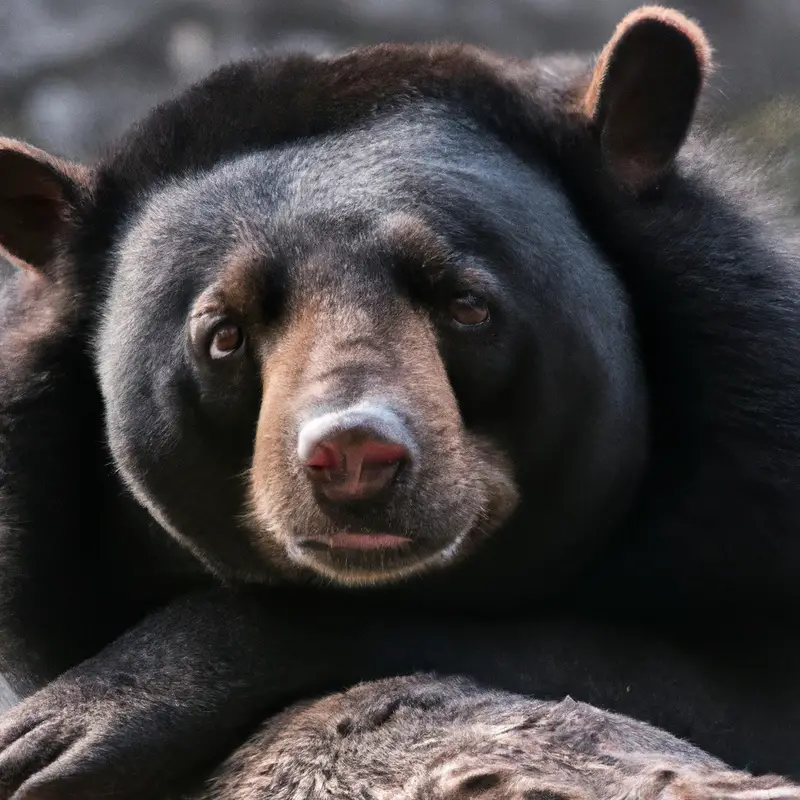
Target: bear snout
x=363, y=470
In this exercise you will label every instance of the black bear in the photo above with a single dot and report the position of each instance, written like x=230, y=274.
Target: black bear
x=415, y=357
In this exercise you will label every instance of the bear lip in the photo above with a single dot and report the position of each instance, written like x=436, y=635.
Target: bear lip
x=360, y=541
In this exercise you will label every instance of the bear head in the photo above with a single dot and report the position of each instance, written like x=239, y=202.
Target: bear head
x=347, y=321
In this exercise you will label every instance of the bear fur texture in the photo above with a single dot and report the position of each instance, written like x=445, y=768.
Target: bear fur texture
x=424, y=738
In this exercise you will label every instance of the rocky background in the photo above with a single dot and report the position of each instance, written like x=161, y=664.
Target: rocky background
x=75, y=73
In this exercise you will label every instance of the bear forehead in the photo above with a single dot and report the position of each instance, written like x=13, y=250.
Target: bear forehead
x=264, y=102
x=425, y=161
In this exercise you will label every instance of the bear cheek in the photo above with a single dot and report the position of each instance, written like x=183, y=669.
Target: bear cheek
x=496, y=475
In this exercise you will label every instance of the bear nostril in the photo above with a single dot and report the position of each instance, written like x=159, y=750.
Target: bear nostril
x=323, y=458
x=372, y=453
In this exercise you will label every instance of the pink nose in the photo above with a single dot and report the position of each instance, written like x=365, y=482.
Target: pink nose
x=353, y=456
x=345, y=468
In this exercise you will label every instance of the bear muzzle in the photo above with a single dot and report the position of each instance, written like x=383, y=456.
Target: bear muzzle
x=363, y=470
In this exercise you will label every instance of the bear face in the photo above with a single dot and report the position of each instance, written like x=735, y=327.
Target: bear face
x=321, y=348
x=355, y=316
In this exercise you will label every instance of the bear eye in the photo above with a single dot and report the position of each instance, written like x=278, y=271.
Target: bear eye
x=226, y=339
x=469, y=310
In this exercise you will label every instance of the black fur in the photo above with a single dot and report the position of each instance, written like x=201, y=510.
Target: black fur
x=678, y=607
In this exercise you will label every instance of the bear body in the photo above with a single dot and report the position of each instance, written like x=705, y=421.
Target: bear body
x=411, y=358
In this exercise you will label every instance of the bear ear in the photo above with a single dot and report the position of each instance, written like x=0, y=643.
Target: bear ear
x=38, y=193
x=643, y=93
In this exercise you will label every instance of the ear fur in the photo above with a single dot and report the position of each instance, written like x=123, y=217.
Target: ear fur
x=643, y=93
x=38, y=193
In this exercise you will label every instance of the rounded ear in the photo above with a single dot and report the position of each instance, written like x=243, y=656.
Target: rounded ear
x=38, y=193
x=643, y=93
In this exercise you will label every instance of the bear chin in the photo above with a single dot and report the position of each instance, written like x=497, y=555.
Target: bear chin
x=370, y=559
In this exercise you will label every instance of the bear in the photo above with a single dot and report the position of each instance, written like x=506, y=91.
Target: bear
x=413, y=358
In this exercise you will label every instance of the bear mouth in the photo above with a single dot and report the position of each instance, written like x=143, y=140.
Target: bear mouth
x=365, y=558
x=347, y=540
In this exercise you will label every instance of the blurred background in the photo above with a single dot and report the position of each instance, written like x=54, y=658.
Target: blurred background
x=75, y=73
